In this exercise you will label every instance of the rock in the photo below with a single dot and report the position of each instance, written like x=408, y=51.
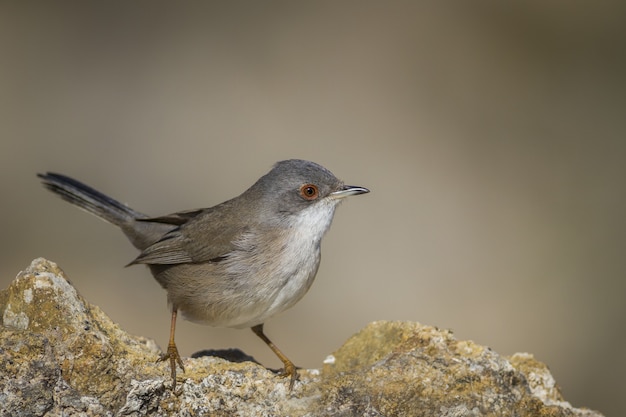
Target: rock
x=60, y=355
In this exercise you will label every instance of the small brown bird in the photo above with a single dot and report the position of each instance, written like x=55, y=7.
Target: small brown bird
x=235, y=264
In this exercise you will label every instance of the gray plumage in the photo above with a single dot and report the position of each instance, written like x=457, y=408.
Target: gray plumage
x=235, y=264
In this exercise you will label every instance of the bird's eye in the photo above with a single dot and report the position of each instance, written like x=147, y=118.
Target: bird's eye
x=309, y=192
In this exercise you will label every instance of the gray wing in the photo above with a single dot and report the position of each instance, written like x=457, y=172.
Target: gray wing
x=201, y=236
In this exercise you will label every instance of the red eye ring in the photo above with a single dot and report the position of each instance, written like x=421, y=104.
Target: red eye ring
x=309, y=191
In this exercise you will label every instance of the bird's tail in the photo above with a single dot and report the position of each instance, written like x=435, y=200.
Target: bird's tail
x=90, y=200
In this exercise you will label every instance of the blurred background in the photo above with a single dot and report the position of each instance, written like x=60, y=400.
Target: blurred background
x=492, y=136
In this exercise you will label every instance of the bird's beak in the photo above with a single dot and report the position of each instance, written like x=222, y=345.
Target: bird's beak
x=348, y=190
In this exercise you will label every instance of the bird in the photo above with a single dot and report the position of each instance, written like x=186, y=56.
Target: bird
x=235, y=264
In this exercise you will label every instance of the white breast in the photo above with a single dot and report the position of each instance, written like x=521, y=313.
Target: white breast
x=283, y=282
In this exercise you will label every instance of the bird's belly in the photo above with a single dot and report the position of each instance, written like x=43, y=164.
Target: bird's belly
x=216, y=295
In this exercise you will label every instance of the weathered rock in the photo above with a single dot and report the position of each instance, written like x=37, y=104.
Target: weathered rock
x=61, y=356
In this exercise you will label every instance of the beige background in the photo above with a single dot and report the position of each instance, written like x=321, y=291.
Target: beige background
x=492, y=137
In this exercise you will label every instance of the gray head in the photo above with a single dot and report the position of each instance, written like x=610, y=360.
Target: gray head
x=295, y=185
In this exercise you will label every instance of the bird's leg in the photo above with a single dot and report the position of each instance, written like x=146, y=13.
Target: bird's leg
x=172, y=351
x=290, y=368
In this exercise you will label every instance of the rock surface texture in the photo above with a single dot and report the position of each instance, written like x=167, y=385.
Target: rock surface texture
x=60, y=356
